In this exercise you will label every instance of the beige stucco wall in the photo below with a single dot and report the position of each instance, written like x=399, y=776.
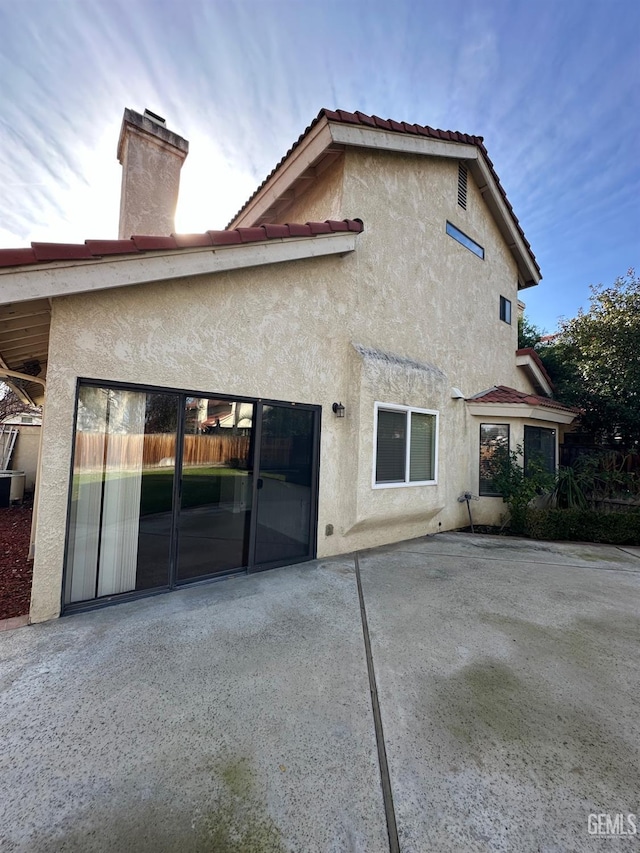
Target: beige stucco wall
x=287, y=332
x=441, y=302
x=150, y=179
x=25, y=453
x=321, y=200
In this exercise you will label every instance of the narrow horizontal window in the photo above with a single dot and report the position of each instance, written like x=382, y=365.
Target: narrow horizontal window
x=467, y=242
x=405, y=443
x=505, y=309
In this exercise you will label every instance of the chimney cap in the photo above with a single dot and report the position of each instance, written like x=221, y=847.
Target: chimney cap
x=155, y=117
x=154, y=128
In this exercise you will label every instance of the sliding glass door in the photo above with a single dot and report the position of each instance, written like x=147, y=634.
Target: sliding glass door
x=285, y=485
x=216, y=492
x=169, y=488
x=121, y=493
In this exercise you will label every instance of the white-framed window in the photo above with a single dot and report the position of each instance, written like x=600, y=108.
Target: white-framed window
x=405, y=446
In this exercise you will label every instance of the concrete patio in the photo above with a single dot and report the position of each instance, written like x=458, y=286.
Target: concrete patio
x=238, y=716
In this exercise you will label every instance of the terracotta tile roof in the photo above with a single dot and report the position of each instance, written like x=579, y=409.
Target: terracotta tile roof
x=534, y=355
x=96, y=249
x=503, y=394
x=376, y=122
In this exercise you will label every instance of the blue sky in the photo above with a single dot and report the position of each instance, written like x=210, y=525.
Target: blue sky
x=552, y=85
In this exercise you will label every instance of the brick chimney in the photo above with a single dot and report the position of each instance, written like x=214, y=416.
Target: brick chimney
x=151, y=158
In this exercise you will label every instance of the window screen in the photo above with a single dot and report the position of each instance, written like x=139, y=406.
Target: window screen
x=405, y=446
x=392, y=446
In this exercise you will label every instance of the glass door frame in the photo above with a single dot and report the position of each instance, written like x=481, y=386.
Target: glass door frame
x=251, y=567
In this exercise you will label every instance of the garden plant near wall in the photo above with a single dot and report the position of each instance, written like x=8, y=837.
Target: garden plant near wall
x=595, y=500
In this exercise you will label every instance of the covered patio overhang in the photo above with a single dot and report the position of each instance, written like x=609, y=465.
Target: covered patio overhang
x=24, y=348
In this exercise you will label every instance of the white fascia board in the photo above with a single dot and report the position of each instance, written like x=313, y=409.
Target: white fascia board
x=527, y=363
x=517, y=242
x=304, y=156
x=520, y=410
x=407, y=143
x=67, y=278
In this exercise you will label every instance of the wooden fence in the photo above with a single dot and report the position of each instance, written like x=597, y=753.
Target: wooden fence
x=158, y=449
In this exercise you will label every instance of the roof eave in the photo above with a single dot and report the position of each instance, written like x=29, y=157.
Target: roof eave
x=536, y=372
x=305, y=155
x=520, y=410
x=65, y=278
x=529, y=272
x=325, y=137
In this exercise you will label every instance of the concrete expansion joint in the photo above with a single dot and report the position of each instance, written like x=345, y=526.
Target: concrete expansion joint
x=635, y=554
x=385, y=779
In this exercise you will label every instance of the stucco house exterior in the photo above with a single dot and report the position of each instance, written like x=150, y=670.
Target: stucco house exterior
x=329, y=373
x=20, y=444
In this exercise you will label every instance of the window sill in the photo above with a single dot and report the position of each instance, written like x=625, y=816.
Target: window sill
x=403, y=485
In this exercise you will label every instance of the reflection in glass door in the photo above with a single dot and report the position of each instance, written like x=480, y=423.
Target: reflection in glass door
x=285, y=485
x=169, y=488
x=120, y=514
x=215, y=505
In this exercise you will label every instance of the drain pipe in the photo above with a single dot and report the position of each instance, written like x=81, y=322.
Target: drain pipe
x=466, y=497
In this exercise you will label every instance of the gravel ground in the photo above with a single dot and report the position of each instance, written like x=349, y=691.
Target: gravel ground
x=15, y=567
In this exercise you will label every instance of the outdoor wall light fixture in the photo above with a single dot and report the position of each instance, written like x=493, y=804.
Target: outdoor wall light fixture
x=338, y=410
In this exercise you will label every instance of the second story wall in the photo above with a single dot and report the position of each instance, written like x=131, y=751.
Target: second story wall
x=441, y=302
x=321, y=200
x=419, y=292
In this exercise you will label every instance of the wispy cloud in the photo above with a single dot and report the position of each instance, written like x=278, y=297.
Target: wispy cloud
x=552, y=86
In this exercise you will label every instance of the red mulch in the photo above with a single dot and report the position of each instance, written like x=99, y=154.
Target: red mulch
x=15, y=568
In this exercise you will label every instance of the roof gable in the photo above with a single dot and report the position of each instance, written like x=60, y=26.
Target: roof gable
x=334, y=130
x=530, y=361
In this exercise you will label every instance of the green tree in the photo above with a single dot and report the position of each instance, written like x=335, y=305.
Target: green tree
x=528, y=334
x=595, y=362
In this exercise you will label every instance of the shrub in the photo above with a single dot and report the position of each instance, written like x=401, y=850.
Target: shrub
x=519, y=487
x=584, y=525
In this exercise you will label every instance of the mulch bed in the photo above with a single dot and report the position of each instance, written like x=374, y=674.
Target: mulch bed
x=15, y=568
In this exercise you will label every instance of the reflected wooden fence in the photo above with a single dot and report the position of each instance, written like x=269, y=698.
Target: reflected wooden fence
x=93, y=450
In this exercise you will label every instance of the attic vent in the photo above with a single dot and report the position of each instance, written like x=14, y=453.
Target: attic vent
x=462, y=186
